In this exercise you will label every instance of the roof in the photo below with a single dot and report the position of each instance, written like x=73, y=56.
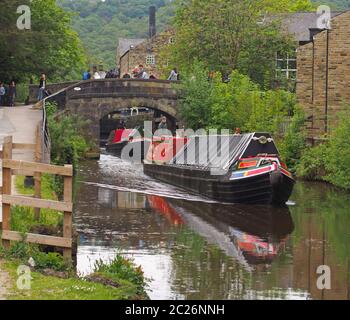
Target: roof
x=221, y=151
x=299, y=24
x=125, y=44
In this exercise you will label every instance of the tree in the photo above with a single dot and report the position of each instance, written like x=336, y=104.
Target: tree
x=50, y=45
x=226, y=35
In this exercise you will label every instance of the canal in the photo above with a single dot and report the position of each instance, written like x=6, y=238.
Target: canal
x=192, y=248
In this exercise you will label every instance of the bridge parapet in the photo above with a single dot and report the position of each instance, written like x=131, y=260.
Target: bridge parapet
x=52, y=88
x=130, y=88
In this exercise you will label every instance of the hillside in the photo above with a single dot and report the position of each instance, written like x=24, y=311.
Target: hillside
x=337, y=4
x=100, y=23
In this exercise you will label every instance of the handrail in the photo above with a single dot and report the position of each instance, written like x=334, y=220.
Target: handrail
x=45, y=134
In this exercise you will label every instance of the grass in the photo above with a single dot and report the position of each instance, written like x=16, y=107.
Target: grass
x=119, y=279
x=23, y=219
x=52, y=288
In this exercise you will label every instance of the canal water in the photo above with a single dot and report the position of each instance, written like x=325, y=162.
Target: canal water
x=193, y=248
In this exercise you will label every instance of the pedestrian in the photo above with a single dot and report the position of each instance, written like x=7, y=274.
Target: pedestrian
x=96, y=76
x=2, y=94
x=237, y=132
x=126, y=76
x=136, y=73
x=87, y=75
x=173, y=75
x=141, y=72
x=144, y=75
x=12, y=93
x=163, y=124
x=42, y=86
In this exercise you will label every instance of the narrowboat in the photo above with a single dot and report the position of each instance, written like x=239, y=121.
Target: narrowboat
x=121, y=138
x=243, y=168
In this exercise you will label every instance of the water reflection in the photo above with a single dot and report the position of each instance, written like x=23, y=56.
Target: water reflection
x=168, y=230
x=195, y=249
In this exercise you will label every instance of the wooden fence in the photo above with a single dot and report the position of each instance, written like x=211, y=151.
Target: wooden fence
x=11, y=168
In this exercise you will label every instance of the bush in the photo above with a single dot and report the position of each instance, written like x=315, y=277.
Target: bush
x=121, y=268
x=196, y=101
x=24, y=251
x=330, y=161
x=312, y=163
x=51, y=260
x=293, y=142
x=68, y=144
x=241, y=103
x=338, y=154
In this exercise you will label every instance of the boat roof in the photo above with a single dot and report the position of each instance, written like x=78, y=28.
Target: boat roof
x=222, y=151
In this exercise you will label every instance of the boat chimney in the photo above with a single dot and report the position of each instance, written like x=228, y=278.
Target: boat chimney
x=152, y=21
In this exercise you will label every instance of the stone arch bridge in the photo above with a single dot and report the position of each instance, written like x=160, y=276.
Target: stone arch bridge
x=94, y=99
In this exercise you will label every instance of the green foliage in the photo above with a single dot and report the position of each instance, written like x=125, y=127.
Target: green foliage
x=51, y=260
x=293, y=142
x=22, y=252
x=50, y=46
x=233, y=101
x=52, y=288
x=334, y=4
x=197, y=98
x=338, y=154
x=312, y=163
x=121, y=268
x=68, y=144
x=225, y=36
x=330, y=161
x=101, y=24
x=240, y=103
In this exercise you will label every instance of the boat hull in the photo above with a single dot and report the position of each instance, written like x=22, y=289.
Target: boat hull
x=116, y=148
x=268, y=188
x=139, y=146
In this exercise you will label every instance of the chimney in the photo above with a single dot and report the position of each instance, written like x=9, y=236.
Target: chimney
x=152, y=21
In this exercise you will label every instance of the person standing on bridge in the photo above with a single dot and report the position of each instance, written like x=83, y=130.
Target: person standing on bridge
x=42, y=87
x=173, y=75
x=86, y=75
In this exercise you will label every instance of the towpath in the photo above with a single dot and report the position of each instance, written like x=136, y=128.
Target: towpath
x=21, y=124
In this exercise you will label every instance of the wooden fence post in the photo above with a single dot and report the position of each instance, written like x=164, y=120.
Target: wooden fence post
x=6, y=188
x=67, y=219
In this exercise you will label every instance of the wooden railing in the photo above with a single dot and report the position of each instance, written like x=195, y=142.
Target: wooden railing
x=11, y=168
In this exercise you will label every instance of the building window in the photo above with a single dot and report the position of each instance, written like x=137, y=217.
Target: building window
x=286, y=66
x=151, y=59
x=171, y=40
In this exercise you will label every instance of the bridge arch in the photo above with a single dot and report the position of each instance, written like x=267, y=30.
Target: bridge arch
x=94, y=99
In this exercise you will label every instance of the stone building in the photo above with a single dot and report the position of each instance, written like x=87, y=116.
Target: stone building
x=133, y=52
x=323, y=77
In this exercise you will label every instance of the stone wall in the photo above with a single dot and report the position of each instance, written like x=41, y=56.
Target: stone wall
x=323, y=80
x=139, y=54
x=97, y=98
x=52, y=88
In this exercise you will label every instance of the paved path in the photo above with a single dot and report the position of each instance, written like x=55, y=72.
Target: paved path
x=5, y=283
x=21, y=123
